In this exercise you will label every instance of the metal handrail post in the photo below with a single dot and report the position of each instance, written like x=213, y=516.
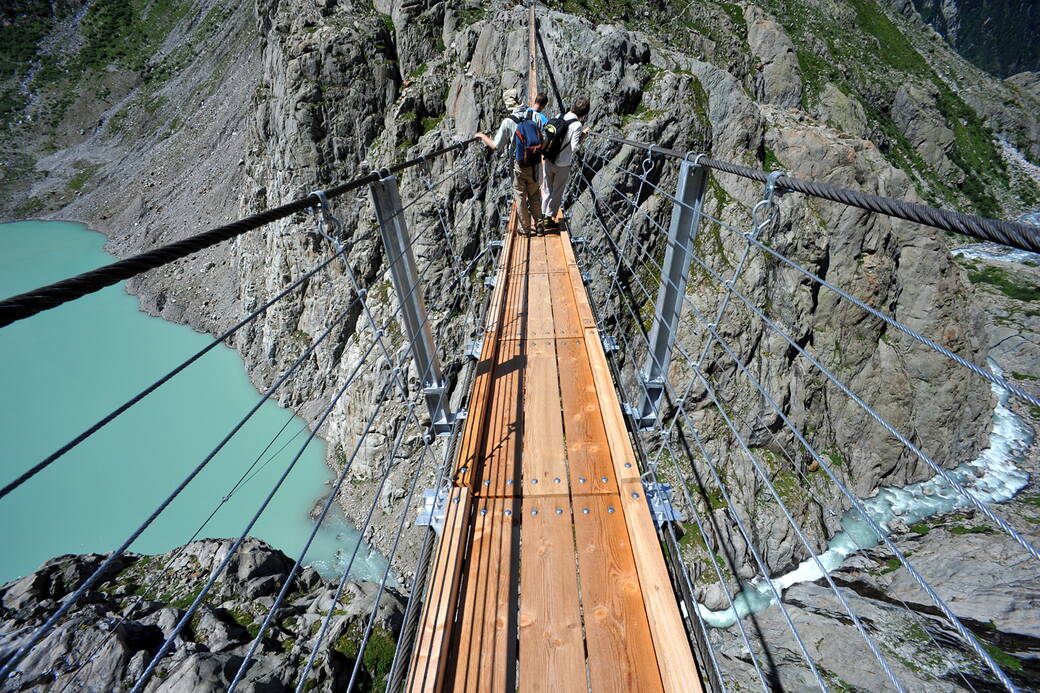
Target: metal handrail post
x=398, y=246
x=682, y=233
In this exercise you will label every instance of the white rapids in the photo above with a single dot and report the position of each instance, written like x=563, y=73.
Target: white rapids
x=992, y=477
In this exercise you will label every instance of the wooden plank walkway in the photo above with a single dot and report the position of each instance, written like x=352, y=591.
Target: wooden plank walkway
x=549, y=575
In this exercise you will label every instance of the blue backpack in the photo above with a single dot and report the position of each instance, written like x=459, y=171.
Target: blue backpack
x=527, y=142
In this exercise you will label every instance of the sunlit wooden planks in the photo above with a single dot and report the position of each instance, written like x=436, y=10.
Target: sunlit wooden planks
x=544, y=466
x=555, y=259
x=552, y=651
x=430, y=656
x=497, y=468
x=483, y=653
x=678, y=670
x=588, y=455
x=620, y=647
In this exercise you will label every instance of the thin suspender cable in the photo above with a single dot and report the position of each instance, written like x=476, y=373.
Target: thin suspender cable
x=965, y=634
x=968, y=638
x=548, y=69
x=325, y=214
x=714, y=562
x=35, y=469
x=244, y=666
x=68, y=603
x=138, y=598
x=107, y=563
x=998, y=380
x=1008, y=529
x=299, y=561
x=328, y=410
x=346, y=571
x=449, y=242
x=859, y=626
x=386, y=574
x=165, y=647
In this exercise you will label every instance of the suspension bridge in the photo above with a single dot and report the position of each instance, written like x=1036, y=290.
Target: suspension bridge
x=552, y=559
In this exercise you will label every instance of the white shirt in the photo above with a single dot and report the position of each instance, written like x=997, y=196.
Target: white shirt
x=570, y=146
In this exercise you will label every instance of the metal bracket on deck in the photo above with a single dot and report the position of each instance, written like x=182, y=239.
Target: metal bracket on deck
x=496, y=244
x=580, y=240
x=610, y=344
x=659, y=496
x=586, y=277
x=474, y=348
x=435, y=507
x=489, y=281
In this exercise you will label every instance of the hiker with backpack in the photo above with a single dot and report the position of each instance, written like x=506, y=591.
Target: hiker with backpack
x=562, y=136
x=522, y=128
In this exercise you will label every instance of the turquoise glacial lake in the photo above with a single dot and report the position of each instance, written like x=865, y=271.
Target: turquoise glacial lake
x=64, y=369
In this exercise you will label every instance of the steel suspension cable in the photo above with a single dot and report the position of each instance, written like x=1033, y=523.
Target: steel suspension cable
x=731, y=290
x=32, y=302
x=1009, y=233
x=998, y=380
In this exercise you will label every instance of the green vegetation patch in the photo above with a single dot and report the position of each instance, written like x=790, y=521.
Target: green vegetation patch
x=895, y=49
x=979, y=529
x=472, y=16
x=1006, y=283
x=126, y=33
x=1004, y=659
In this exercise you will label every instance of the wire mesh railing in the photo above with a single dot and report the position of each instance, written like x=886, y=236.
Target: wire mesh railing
x=695, y=366
x=390, y=367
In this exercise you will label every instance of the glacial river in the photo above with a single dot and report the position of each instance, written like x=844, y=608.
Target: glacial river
x=64, y=369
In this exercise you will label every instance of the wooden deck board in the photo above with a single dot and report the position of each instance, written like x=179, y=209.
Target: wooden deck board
x=544, y=466
x=498, y=466
x=537, y=261
x=556, y=260
x=566, y=323
x=552, y=651
x=483, y=652
x=538, y=308
x=430, y=656
x=674, y=656
x=588, y=455
x=621, y=650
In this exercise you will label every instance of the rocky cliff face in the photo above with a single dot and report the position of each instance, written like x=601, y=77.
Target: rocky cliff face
x=107, y=642
x=311, y=94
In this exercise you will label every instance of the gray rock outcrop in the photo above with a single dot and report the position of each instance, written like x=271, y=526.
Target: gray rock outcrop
x=779, y=81
x=105, y=642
